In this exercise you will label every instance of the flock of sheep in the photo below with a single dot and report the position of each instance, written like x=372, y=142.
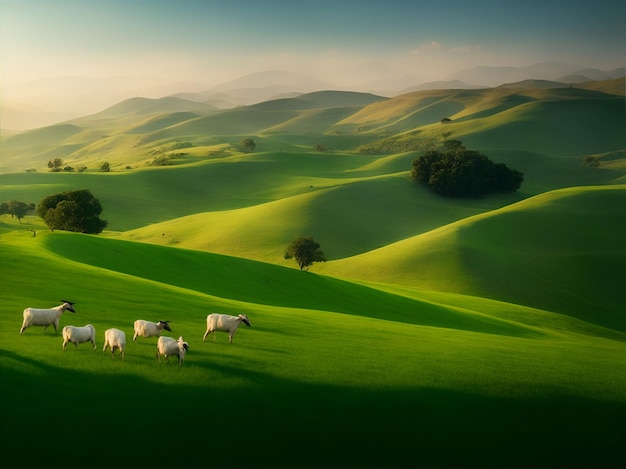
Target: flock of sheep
x=116, y=339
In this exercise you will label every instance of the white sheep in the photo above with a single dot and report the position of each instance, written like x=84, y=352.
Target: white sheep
x=76, y=335
x=224, y=323
x=115, y=339
x=167, y=347
x=149, y=329
x=45, y=317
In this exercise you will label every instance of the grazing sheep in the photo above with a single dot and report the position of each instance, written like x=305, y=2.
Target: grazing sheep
x=115, y=339
x=45, y=317
x=76, y=335
x=149, y=329
x=167, y=347
x=224, y=323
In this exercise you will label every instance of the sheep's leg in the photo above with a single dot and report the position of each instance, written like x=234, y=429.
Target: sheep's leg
x=203, y=338
x=135, y=337
x=94, y=344
x=76, y=345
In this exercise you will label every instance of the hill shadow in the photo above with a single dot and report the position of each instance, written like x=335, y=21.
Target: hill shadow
x=131, y=422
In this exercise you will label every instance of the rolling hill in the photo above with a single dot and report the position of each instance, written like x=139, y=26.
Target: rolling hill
x=553, y=116
x=445, y=331
x=535, y=252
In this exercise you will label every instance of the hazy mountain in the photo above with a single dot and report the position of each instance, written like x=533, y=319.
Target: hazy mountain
x=556, y=71
x=535, y=84
x=48, y=101
x=273, y=78
x=595, y=74
x=149, y=106
x=495, y=76
x=321, y=99
x=441, y=85
x=256, y=88
x=388, y=82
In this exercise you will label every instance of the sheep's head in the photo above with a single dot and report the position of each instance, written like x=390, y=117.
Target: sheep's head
x=165, y=325
x=182, y=343
x=244, y=319
x=68, y=306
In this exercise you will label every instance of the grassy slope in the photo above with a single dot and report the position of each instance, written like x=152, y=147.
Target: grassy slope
x=126, y=134
x=562, y=251
x=332, y=370
x=327, y=363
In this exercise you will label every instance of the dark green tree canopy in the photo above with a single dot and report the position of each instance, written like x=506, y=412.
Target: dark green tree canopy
x=305, y=251
x=72, y=211
x=248, y=145
x=460, y=172
x=16, y=209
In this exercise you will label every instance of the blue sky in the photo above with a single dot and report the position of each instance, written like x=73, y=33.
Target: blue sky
x=217, y=40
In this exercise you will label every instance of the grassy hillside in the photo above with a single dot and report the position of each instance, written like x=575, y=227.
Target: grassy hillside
x=326, y=362
x=562, y=251
x=552, y=122
x=155, y=194
x=440, y=333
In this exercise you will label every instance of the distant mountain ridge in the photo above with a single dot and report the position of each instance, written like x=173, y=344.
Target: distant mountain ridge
x=495, y=76
x=83, y=96
x=129, y=133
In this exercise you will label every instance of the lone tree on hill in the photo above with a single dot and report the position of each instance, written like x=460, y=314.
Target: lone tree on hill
x=305, y=251
x=248, y=145
x=77, y=211
x=460, y=172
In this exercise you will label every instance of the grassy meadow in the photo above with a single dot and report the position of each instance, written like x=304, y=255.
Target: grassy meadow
x=439, y=333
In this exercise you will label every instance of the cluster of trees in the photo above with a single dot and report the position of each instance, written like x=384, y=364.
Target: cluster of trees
x=56, y=166
x=77, y=211
x=16, y=209
x=459, y=172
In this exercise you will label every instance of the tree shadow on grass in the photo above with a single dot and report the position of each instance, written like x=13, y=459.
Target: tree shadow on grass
x=125, y=421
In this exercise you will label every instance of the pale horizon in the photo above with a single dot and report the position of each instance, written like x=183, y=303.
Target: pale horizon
x=78, y=56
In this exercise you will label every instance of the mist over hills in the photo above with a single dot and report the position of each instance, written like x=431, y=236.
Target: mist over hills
x=129, y=133
x=494, y=76
x=40, y=103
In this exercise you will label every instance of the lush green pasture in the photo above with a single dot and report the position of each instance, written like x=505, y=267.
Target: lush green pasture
x=561, y=251
x=440, y=333
x=330, y=374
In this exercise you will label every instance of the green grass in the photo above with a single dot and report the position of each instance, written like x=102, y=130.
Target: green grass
x=326, y=362
x=441, y=333
x=562, y=251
